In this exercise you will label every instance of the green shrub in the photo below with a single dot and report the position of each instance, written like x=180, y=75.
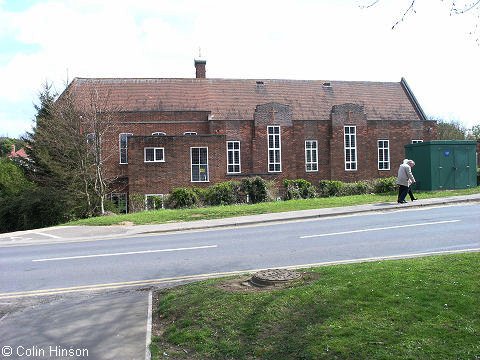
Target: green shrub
x=110, y=206
x=256, y=188
x=385, y=185
x=12, y=179
x=155, y=203
x=355, y=188
x=273, y=191
x=225, y=193
x=328, y=188
x=136, y=202
x=298, y=189
x=182, y=198
x=37, y=208
x=201, y=194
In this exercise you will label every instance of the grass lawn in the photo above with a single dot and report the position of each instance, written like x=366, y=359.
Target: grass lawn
x=424, y=308
x=217, y=212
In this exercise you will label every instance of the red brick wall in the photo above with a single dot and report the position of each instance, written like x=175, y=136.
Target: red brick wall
x=144, y=123
x=148, y=178
x=162, y=177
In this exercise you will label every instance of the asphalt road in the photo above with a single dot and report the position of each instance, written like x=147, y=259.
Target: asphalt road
x=176, y=256
x=44, y=308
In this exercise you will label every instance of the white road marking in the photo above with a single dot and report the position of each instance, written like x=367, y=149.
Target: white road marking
x=47, y=235
x=125, y=253
x=18, y=238
x=148, y=355
x=189, y=278
x=379, y=228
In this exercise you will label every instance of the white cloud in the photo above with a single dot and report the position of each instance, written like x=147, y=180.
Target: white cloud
x=308, y=39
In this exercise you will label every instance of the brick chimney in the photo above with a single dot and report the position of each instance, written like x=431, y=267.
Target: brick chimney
x=200, y=72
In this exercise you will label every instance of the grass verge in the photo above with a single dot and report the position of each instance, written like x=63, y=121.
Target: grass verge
x=217, y=212
x=424, y=308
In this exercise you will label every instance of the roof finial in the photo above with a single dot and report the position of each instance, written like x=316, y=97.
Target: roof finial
x=199, y=52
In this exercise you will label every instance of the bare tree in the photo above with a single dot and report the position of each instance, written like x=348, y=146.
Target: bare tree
x=99, y=119
x=455, y=8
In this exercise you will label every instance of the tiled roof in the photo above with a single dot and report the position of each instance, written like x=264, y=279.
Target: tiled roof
x=20, y=153
x=235, y=99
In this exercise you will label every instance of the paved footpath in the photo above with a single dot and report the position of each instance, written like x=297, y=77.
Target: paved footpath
x=95, y=326
x=77, y=233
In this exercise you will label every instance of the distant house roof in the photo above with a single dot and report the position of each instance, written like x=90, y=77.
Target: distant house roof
x=236, y=99
x=17, y=154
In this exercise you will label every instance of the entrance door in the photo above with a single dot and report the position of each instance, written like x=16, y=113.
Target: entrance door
x=461, y=168
x=446, y=168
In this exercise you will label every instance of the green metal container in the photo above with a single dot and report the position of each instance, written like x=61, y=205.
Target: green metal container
x=444, y=164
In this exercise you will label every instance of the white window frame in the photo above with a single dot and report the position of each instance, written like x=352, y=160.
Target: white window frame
x=350, y=147
x=233, y=167
x=159, y=133
x=274, y=148
x=383, y=151
x=154, y=154
x=200, y=165
x=311, y=156
x=162, y=196
x=190, y=133
x=417, y=141
x=123, y=149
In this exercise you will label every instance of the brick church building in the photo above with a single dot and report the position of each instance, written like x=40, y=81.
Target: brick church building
x=198, y=131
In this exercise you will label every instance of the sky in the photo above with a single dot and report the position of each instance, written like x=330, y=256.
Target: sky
x=55, y=41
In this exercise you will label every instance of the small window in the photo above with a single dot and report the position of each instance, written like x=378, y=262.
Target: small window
x=199, y=163
x=190, y=133
x=154, y=154
x=311, y=155
x=416, y=141
x=123, y=145
x=383, y=155
x=119, y=201
x=154, y=201
x=159, y=133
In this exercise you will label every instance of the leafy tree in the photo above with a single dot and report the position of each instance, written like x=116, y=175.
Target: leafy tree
x=5, y=146
x=475, y=130
x=7, y=143
x=452, y=130
x=12, y=179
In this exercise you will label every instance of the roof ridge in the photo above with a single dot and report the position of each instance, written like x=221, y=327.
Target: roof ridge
x=235, y=80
